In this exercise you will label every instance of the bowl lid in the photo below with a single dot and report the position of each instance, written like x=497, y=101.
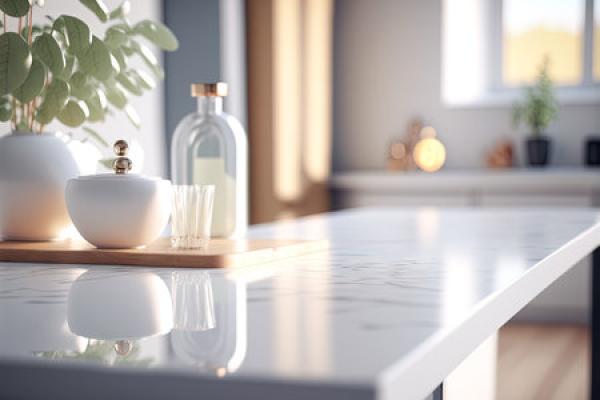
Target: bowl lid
x=121, y=165
x=118, y=177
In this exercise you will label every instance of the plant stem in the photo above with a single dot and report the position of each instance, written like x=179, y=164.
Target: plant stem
x=14, y=115
x=30, y=23
x=31, y=113
x=20, y=25
x=4, y=25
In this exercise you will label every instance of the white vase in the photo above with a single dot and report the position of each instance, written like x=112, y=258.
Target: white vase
x=34, y=170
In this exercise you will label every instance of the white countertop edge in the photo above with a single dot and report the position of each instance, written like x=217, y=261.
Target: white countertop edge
x=159, y=384
x=418, y=374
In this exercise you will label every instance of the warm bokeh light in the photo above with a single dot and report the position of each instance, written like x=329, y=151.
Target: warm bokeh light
x=429, y=154
x=398, y=151
x=428, y=132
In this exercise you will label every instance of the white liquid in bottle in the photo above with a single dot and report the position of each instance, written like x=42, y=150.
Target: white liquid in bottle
x=210, y=147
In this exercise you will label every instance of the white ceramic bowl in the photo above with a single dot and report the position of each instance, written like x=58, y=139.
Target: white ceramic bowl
x=119, y=211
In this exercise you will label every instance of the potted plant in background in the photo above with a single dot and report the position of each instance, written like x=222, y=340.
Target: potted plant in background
x=61, y=70
x=538, y=110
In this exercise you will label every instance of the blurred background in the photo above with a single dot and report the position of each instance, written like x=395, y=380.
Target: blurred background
x=353, y=103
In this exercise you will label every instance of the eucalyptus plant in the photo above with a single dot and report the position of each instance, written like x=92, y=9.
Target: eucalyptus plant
x=540, y=107
x=61, y=70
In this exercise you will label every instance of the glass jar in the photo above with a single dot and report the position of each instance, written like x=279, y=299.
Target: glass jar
x=209, y=147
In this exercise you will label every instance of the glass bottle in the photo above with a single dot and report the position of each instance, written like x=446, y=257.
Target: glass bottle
x=210, y=147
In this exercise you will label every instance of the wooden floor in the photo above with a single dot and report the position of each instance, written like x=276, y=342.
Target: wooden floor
x=542, y=361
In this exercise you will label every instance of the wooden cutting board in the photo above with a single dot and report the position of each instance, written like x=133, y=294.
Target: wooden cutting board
x=220, y=253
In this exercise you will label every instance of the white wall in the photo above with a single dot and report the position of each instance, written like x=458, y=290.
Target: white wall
x=151, y=136
x=387, y=70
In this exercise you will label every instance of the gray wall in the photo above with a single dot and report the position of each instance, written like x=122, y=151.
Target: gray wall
x=387, y=70
x=196, y=24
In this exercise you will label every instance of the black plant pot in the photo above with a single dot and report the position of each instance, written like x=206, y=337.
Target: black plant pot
x=538, y=151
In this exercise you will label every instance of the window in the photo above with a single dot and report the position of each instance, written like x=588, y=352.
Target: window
x=492, y=48
x=557, y=29
x=535, y=29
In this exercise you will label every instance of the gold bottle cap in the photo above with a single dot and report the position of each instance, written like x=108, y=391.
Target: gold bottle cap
x=209, y=89
x=122, y=164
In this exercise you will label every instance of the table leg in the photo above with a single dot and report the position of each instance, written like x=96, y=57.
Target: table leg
x=438, y=393
x=595, y=327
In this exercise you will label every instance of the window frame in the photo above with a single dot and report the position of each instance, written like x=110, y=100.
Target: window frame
x=475, y=38
x=587, y=82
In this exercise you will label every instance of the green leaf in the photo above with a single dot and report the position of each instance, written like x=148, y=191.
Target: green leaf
x=55, y=99
x=129, y=83
x=97, y=60
x=5, y=109
x=22, y=125
x=97, y=7
x=158, y=34
x=15, y=61
x=78, y=34
x=74, y=113
x=128, y=49
x=34, y=83
x=116, y=95
x=15, y=8
x=115, y=37
x=121, y=11
x=96, y=136
x=148, y=57
x=35, y=31
x=46, y=48
x=158, y=72
x=144, y=52
x=81, y=85
x=69, y=67
x=107, y=162
x=133, y=116
x=120, y=57
x=114, y=64
x=142, y=78
x=97, y=104
x=124, y=26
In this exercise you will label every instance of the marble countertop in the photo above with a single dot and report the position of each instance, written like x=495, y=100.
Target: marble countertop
x=398, y=300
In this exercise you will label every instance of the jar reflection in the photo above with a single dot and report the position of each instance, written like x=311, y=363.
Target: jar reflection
x=210, y=330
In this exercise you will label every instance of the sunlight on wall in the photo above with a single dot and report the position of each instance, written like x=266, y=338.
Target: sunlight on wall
x=286, y=93
x=317, y=99
x=302, y=95
x=465, y=36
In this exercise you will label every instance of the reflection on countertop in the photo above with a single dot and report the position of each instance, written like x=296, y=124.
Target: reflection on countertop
x=115, y=316
x=390, y=281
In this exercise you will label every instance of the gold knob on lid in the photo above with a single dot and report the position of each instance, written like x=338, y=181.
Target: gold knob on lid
x=122, y=164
